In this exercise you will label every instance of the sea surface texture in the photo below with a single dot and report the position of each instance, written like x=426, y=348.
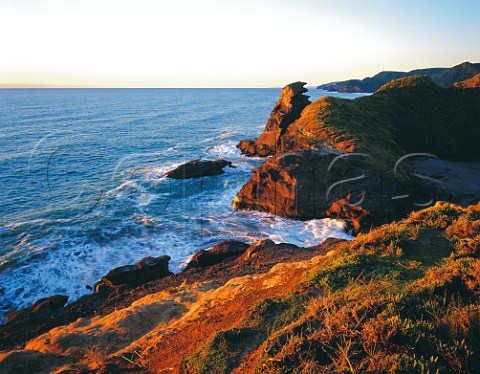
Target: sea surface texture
x=83, y=187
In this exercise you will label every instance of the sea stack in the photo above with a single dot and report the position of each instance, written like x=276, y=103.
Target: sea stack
x=287, y=109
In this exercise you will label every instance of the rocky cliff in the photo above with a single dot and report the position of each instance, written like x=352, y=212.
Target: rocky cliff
x=287, y=109
x=349, y=152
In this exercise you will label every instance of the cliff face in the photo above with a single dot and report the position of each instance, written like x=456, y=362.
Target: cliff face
x=444, y=77
x=354, y=147
x=305, y=185
x=403, y=298
x=287, y=109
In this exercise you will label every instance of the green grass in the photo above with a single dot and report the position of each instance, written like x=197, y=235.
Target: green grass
x=220, y=353
x=411, y=310
x=407, y=115
x=403, y=298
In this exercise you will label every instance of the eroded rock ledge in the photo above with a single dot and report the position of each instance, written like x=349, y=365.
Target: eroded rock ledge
x=123, y=285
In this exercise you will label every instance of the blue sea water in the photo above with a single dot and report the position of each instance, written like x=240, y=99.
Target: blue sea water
x=83, y=190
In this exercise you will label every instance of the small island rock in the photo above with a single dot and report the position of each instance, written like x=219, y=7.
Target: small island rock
x=199, y=168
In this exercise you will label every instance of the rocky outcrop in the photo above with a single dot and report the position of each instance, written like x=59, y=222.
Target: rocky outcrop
x=473, y=82
x=146, y=270
x=262, y=246
x=345, y=158
x=216, y=254
x=199, y=168
x=277, y=307
x=47, y=314
x=312, y=184
x=287, y=109
x=444, y=77
x=27, y=361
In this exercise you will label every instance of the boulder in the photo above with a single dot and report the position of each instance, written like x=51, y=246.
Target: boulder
x=257, y=247
x=287, y=109
x=216, y=254
x=198, y=168
x=146, y=270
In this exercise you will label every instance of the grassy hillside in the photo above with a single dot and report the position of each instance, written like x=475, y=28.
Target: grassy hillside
x=400, y=299
x=410, y=114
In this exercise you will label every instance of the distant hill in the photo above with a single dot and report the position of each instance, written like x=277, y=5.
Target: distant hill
x=444, y=77
x=473, y=82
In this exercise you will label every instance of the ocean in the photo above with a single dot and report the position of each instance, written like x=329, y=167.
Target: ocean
x=83, y=187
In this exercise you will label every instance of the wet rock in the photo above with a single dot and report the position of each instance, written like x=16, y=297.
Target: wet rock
x=287, y=109
x=217, y=253
x=357, y=218
x=144, y=271
x=199, y=168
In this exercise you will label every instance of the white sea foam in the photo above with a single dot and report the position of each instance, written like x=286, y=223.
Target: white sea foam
x=224, y=135
x=141, y=213
x=79, y=255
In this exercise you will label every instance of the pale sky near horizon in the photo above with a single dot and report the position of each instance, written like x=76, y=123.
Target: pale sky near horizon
x=213, y=43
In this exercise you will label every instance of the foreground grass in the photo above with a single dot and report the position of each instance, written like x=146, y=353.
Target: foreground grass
x=401, y=299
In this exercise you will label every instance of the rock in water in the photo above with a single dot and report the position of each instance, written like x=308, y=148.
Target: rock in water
x=286, y=111
x=198, y=168
x=217, y=254
x=144, y=271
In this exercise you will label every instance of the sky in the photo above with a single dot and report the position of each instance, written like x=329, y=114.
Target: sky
x=228, y=43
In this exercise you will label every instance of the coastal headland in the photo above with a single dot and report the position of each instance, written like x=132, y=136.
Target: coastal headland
x=403, y=296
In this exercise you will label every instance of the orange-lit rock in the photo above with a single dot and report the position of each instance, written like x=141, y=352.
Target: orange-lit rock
x=287, y=109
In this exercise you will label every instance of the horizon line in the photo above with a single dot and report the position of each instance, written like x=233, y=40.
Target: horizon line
x=126, y=88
